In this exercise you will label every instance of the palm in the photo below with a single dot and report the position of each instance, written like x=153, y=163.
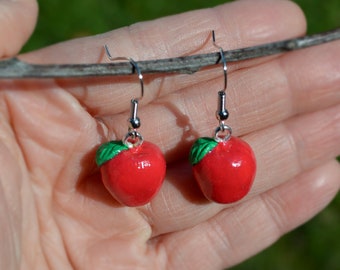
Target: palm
x=55, y=142
x=51, y=129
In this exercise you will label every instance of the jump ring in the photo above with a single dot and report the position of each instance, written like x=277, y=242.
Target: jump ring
x=133, y=139
x=223, y=129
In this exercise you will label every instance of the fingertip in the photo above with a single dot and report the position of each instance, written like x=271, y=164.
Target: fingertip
x=17, y=22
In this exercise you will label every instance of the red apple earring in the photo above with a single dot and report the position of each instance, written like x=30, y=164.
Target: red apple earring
x=224, y=166
x=132, y=169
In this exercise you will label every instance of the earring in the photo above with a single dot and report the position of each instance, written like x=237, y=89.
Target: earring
x=132, y=169
x=224, y=166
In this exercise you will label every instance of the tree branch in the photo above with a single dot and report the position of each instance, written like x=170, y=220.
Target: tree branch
x=16, y=69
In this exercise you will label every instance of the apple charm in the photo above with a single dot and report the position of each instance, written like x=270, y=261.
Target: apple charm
x=132, y=175
x=224, y=170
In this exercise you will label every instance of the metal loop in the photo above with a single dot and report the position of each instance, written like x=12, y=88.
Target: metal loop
x=222, y=128
x=133, y=139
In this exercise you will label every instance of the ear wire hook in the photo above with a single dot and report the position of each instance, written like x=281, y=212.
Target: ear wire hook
x=135, y=68
x=222, y=113
x=133, y=137
x=222, y=57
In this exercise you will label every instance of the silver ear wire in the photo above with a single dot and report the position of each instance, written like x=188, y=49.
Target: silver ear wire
x=224, y=62
x=132, y=138
x=222, y=113
x=108, y=54
x=140, y=77
x=135, y=68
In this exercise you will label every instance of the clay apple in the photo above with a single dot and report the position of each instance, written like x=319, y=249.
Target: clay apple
x=134, y=175
x=225, y=170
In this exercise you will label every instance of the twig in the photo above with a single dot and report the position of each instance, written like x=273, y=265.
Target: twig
x=14, y=68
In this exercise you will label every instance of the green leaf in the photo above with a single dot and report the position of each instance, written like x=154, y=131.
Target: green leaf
x=200, y=148
x=109, y=150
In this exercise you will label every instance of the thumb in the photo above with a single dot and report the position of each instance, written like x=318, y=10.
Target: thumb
x=17, y=22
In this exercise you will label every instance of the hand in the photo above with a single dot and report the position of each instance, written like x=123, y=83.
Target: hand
x=55, y=212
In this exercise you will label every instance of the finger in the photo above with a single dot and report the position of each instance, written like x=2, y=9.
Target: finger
x=246, y=24
x=282, y=152
x=237, y=233
x=17, y=21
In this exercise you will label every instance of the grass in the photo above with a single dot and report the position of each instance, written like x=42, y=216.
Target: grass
x=314, y=245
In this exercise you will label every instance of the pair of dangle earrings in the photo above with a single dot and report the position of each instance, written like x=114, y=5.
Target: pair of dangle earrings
x=133, y=170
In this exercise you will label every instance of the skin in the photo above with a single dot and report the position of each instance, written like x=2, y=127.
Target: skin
x=55, y=212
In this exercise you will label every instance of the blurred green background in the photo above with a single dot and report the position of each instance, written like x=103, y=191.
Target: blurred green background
x=64, y=19
x=315, y=245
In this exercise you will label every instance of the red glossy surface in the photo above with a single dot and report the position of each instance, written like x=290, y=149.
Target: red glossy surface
x=226, y=173
x=134, y=176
